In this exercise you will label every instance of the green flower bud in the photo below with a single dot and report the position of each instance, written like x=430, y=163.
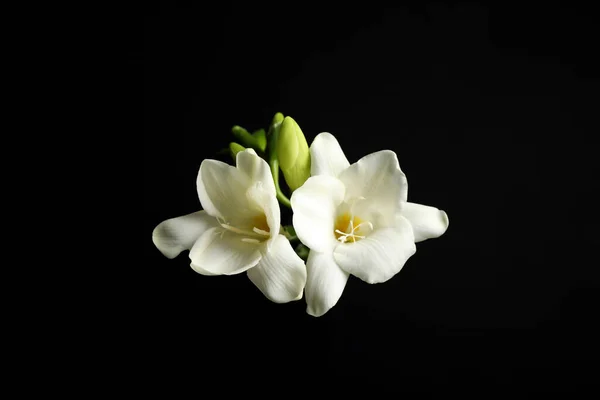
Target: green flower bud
x=293, y=154
x=275, y=124
x=277, y=119
x=260, y=138
x=257, y=141
x=235, y=148
x=241, y=134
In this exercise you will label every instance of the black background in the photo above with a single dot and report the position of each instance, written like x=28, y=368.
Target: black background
x=491, y=109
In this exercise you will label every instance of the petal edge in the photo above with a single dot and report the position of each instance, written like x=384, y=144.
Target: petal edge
x=222, y=252
x=178, y=234
x=327, y=157
x=325, y=283
x=379, y=256
x=427, y=222
x=314, y=205
x=280, y=274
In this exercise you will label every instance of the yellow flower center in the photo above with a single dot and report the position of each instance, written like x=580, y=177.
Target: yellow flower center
x=347, y=228
x=260, y=222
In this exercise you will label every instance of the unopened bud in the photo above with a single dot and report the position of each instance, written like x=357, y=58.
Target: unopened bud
x=293, y=154
x=235, y=148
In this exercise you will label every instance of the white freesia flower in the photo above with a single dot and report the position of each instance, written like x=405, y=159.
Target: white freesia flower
x=356, y=220
x=238, y=230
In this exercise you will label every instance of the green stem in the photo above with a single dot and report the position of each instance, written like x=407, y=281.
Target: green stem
x=290, y=237
x=302, y=251
x=280, y=196
x=274, y=163
x=289, y=232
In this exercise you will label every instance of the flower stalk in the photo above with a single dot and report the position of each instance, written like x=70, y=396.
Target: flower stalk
x=273, y=135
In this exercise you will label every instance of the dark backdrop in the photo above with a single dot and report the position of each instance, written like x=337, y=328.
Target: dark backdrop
x=491, y=110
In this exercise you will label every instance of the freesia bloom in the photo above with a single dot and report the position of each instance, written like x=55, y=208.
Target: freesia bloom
x=356, y=220
x=238, y=230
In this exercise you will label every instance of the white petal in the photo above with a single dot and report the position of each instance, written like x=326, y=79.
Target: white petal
x=268, y=204
x=256, y=169
x=280, y=274
x=222, y=188
x=427, y=222
x=378, y=178
x=379, y=256
x=175, y=235
x=223, y=252
x=314, y=206
x=326, y=156
x=325, y=283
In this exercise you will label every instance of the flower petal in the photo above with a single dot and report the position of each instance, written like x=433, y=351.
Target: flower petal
x=314, y=205
x=326, y=156
x=268, y=205
x=280, y=274
x=175, y=235
x=379, y=256
x=256, y=169
x=427, y=222
x=221, y=189
x=378, y=178
x=222, y=252
x=325, y=283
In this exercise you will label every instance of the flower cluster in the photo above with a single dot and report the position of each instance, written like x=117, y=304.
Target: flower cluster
x=349, y=219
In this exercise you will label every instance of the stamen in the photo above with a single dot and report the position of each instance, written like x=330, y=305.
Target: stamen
x=340, y=232
x=254, y=232
x=261, y=232
x=366, y=222
x=234, y=229
x=349, y=233
x=344, y=236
